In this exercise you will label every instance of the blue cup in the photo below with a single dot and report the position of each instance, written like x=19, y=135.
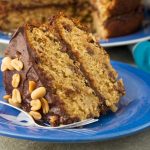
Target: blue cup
x=141, y=54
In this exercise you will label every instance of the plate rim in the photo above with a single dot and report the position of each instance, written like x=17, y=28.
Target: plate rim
x=124, y=43
x=81, y=140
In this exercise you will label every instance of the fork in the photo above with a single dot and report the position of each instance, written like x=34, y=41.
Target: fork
x=24, y=119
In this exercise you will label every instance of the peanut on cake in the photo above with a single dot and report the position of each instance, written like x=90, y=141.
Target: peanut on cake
x=59, y=74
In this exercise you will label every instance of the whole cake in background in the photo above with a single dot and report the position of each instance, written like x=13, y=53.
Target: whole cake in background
x=106, y=18
x=59, y=74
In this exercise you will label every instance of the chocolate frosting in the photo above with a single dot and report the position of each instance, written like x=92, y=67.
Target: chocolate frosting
x=19, y=47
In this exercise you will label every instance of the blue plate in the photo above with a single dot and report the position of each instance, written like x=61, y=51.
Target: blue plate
x=133, y=115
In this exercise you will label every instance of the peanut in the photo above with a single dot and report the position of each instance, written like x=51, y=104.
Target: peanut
x=45, y=106
x=6, y=97
x=17, y=64
x=10, y=101
x=32, y=86
x=38, y=93
x=36, y=115
x=15, y=80
x=6, y=64
x=16, y=96
x=36, y=104
x=3, y=67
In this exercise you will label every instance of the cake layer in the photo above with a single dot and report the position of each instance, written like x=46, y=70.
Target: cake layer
x=94, y=61
x=19, y=4
x=118, y=25
x=67, y=81
x=11, y=20
x=83, y=12
x=111, y=8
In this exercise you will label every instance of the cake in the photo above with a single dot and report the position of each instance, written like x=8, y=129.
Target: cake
x=34, y=3
x=15, y=13
x=12, y=19
x=114, y=18
x=59, y=74
x=102, y=17
x=111, y=8
x=118, y=25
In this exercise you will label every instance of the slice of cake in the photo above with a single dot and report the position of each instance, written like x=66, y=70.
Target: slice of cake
x=59, y=74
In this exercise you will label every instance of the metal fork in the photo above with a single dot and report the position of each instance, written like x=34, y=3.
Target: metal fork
x=24, y=119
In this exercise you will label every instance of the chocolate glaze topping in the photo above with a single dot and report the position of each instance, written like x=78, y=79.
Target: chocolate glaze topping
x=19, y=47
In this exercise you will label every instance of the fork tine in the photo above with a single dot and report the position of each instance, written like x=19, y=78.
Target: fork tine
x=81, y=131
x=85, y=123
x=70, y=126
x=79, y=124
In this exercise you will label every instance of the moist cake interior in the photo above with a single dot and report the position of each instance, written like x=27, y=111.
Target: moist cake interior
x=67, y=80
